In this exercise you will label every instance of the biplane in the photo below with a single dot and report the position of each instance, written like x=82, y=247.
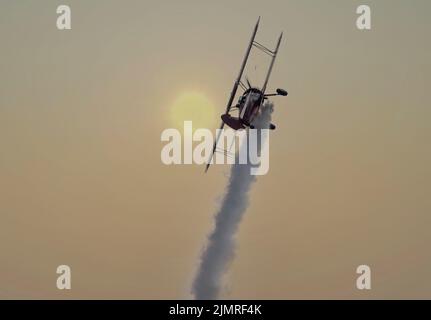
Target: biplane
x=251, y=100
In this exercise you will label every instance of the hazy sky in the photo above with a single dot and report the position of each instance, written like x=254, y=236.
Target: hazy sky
x=82, y=184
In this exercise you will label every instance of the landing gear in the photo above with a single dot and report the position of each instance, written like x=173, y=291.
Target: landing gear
x=271, y=127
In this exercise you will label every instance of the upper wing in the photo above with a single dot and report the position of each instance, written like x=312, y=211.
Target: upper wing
x=274, y=55
x=244, y=62
x=234, y=89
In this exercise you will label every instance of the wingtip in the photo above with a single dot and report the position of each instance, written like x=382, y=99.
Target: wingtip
x=258, y=20
x=280, y=37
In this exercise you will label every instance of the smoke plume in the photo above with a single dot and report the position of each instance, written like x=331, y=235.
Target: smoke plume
x=220, y=249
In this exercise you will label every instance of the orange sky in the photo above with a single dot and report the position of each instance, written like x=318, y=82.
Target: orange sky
x=82, y=184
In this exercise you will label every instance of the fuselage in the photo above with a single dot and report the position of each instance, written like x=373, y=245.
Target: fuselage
x=249, y=104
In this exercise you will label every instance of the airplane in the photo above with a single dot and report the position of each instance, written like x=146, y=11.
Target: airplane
x=251, y=100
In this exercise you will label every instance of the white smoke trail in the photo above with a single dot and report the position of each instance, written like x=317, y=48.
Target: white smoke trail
x=220, y=249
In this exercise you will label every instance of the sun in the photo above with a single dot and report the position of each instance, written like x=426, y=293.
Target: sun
x=193, y=106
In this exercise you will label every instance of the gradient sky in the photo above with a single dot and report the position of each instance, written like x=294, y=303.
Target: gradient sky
x=82, y=184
